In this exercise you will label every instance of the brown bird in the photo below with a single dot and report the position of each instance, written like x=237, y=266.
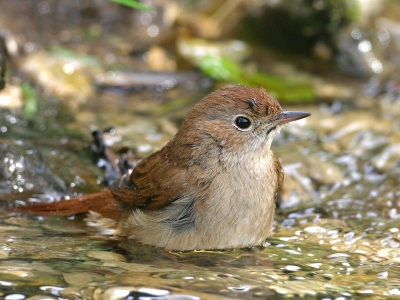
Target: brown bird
x=213, y=186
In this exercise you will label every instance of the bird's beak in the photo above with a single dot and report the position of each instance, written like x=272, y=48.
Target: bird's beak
x=290, y=116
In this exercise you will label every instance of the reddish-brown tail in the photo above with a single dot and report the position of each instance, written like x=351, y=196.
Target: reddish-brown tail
x=102, y=202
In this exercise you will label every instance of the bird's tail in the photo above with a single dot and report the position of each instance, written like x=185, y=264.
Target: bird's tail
x=102, y=202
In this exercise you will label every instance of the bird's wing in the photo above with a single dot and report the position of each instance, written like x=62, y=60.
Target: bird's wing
x=153, y=184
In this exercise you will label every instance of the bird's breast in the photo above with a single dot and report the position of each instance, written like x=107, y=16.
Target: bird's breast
x=240, y=205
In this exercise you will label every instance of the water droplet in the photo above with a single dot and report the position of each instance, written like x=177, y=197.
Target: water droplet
x=356, y=34
x=153, y=30
x=364, y=46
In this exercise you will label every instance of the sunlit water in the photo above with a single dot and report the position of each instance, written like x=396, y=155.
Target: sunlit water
x=308, y=255
x=341, y=243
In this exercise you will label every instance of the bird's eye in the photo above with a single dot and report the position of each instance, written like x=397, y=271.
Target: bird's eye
x=242, y=122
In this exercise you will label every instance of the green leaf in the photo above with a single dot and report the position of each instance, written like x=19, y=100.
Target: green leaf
x=288, y=90
x=133, y=4
x=221, y=68
x=225, y=69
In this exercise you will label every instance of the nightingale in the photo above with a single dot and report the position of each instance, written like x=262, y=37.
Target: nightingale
x=213, y=186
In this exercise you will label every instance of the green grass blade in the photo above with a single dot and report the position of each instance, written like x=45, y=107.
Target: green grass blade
x=133, y=4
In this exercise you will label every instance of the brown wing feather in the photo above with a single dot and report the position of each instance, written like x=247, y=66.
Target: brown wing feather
x=153, y=184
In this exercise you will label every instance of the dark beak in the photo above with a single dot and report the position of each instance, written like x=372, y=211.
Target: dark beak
x=290, y=116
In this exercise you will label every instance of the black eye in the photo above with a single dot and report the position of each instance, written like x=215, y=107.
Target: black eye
x=242, y=122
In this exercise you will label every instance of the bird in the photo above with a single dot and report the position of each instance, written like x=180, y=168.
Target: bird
x=213, y=186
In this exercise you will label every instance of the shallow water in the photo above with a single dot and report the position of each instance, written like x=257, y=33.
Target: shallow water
x=341, y=243
x=308, y=255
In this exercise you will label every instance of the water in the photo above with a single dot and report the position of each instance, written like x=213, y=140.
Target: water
x=311, y=257
x=340, y=242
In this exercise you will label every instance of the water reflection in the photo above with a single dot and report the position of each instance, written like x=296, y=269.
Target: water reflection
x=335, y=258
